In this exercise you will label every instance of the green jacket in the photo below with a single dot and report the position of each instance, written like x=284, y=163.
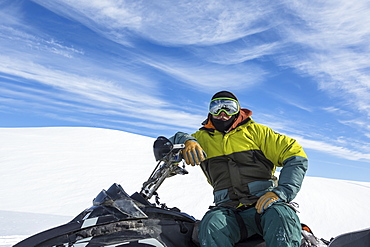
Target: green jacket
x=241, y=163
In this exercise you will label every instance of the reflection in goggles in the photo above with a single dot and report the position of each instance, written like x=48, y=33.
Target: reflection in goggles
x=227, y=105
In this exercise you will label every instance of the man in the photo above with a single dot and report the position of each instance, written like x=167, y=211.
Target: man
x=241, y=160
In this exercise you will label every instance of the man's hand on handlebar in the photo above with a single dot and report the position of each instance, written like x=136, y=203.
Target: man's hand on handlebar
x=193, y=153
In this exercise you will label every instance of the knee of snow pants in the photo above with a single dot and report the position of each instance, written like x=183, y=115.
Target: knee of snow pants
x=281, y=226
x=219, y=228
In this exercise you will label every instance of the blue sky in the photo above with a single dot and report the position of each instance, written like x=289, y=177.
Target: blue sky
x=151, y=67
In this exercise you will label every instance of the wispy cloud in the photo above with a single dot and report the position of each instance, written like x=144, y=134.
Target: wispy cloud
x=44, y=73
x=335, y=110
x=210, y=76
x=334, y=150
x=333, y=36
x=191, y=22
x=243, y=51
x=88, y=95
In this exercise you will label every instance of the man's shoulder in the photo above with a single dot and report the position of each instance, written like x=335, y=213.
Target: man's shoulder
x=251, y=123
x=252, y=126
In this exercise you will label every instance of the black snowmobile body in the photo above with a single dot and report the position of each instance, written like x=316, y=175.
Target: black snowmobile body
x=117, y=219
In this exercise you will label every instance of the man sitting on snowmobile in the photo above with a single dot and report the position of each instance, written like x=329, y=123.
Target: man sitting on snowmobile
x=241, y=160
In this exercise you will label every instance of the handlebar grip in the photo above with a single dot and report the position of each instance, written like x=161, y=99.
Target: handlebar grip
x=178, y=146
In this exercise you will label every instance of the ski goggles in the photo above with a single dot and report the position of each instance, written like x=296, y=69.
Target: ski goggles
x=227, y=105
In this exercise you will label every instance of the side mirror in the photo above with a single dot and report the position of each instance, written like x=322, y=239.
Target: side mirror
x=162, y=146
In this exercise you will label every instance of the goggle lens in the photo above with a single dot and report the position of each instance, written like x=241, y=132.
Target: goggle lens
x=227, y=105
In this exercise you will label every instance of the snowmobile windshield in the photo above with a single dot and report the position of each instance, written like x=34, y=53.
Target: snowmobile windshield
x=116, y=197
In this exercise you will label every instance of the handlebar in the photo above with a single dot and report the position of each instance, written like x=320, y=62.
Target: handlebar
x=166, y=167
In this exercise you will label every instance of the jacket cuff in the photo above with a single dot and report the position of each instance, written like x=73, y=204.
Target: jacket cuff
x=181, y=138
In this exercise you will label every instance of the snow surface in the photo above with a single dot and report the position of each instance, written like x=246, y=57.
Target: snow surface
x=49, y=175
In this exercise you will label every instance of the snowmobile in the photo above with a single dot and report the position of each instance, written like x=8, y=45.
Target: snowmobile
x=117, y=219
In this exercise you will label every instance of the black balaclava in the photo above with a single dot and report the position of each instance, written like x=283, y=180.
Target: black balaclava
x=219, y=124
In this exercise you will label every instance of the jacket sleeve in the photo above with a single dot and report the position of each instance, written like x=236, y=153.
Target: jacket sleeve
x=181, y=138
x=291, y=178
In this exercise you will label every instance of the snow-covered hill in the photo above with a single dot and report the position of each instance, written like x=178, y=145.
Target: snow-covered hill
x=49, y=175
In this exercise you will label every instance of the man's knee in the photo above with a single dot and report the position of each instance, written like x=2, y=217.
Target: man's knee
x=282, y=210
x=281, y=226
x=216, y=219
x=219, y=226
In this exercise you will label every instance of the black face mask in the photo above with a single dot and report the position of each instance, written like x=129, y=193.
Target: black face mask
x=221, y=125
